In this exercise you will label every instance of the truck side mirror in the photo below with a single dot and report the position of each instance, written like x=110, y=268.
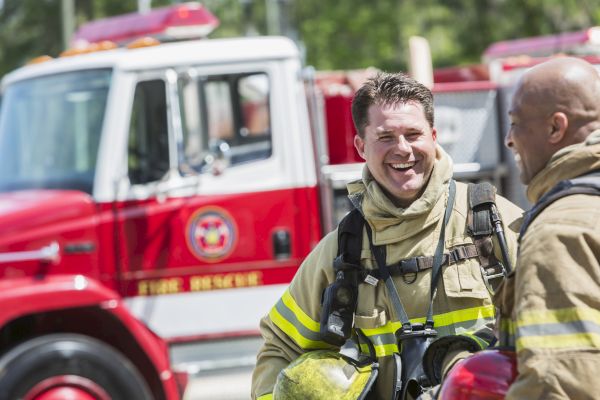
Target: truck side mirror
x=173, y=183
x=218, y=157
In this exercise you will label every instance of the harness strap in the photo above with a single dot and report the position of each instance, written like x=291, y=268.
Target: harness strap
x=437, y=257
x=350, y=237
x=482, y=198
x=584, y=184
x=419, y=264
x=380, y=255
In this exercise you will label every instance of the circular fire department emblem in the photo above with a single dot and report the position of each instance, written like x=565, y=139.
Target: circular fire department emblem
x=211, y=234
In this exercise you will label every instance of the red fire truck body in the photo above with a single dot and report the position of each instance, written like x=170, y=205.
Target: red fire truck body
x=170, y=192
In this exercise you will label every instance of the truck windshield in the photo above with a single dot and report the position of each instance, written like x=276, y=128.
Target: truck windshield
x=49, y=131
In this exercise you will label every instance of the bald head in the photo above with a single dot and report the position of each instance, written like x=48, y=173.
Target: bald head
x=567, y=85
x=556, y=104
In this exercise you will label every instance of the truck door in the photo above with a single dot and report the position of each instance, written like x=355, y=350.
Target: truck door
x=214, y=225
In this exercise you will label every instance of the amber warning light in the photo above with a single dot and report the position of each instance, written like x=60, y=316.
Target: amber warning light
x=178, y=22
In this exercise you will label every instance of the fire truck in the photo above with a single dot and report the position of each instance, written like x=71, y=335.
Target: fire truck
x=158, y=187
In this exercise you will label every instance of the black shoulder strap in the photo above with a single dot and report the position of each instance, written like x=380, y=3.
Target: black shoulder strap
x=350, y=233
x=481, y=197
x=584, y=184
x=483, y=221
x=339, y=299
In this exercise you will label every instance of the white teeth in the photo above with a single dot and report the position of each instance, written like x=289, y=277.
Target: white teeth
x=517, y=158
x=405, y=165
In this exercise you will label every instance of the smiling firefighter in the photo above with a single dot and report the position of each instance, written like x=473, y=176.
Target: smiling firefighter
x=414, y=262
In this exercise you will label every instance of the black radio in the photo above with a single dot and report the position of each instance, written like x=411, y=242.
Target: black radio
x=339, y=303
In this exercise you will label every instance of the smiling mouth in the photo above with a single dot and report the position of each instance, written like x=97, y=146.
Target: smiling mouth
x=403, y=166
x=517, y=157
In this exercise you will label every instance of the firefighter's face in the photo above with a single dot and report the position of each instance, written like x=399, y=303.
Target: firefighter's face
x=526, y=136
x=399, y=147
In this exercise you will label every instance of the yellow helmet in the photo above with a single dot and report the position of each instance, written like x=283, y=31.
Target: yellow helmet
x=325, y=374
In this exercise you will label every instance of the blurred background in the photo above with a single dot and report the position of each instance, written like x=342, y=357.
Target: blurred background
x=331, y=35
x=344, y=34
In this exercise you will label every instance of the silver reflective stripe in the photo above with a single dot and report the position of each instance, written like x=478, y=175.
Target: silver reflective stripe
x=565, y=328
x=291, y=317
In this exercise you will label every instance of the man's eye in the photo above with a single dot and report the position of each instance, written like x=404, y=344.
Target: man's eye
x=385, y=138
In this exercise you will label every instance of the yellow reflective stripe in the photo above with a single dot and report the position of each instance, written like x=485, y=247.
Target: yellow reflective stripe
x=572, y=327
x=304, y=319
x=507, y=333
x=559, y=341
x=390, y=327
x=558, y=316
x=381, y=350
x=468, y=314
x=289, y=329
x=440, y=320
x=507, y=326
x=268, y=396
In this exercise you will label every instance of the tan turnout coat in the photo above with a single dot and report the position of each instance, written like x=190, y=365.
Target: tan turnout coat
x=462, y=304
x=550, y=306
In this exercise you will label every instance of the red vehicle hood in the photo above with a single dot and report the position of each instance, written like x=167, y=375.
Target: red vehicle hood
x=28, y=210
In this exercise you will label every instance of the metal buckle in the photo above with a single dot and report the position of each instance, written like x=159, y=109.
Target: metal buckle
x=487, y=278
x=412, y=265
x=456, y=255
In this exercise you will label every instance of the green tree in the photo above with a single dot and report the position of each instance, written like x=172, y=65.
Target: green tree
x=335, y=35
x=28, y=28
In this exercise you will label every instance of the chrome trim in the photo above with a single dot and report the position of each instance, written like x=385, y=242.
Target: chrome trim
x=48, y=254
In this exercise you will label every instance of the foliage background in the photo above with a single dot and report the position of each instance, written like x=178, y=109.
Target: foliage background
x=334, y=34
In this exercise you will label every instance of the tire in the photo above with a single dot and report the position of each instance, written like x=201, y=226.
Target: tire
x=69, y=362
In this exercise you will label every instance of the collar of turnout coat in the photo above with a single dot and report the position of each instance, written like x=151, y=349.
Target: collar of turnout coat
x=390, y=223
x=566, y=163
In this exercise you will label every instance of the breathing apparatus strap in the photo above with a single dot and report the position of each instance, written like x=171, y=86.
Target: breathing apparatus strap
x=380, y=255
x=439, y=251
x=483, y=221
x=584, y=184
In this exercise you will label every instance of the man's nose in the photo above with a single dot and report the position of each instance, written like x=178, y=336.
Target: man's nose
x=403, y=146
x=508, y=141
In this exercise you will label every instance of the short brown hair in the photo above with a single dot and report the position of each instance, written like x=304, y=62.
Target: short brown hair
x=388, y=89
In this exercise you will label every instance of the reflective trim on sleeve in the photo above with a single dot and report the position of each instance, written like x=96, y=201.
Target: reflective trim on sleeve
x=381, y=350
x=268, y=396
x=565, y=328
x=294, y=322
x=460, y=321
x=304, y=319
x=506, y=333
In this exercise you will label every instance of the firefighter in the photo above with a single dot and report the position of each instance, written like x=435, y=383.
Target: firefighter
x=550, y=305
x=405, y=198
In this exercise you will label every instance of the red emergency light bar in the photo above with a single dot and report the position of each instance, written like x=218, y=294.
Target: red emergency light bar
x=585, y=42
x=182, y=21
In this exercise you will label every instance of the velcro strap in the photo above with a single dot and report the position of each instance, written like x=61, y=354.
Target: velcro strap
x=480, y=194
x=418, y=264
x=482, y=224
x=481, y=197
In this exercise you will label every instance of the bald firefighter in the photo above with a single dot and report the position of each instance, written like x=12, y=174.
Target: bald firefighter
x=550, y=306
x=413, y=263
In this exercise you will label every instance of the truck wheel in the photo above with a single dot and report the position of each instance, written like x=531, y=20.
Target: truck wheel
x=69, y=366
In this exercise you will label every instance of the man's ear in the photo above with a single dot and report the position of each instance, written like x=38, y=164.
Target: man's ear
x=359, y=143
x=560, y=123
